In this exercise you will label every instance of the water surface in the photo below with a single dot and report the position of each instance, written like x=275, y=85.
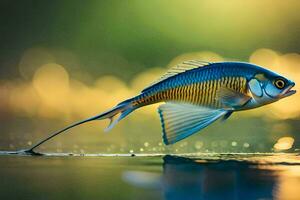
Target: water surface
x=125, y=176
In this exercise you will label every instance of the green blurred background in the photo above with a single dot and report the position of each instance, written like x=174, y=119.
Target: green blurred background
x=63, y=61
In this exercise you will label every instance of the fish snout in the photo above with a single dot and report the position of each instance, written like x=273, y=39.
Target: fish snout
x=288, y=91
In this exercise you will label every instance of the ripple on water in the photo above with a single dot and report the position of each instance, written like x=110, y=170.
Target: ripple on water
x=254, y=158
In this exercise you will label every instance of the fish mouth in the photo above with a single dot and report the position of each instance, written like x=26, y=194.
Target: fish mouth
x=288, y=91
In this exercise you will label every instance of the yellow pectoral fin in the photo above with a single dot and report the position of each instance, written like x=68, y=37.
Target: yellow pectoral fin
x=231, y=98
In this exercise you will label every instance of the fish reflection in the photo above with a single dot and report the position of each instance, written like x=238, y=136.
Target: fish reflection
x=184, y=178
x=191, y=179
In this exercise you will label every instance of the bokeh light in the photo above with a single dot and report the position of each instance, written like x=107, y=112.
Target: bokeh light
x=52, y=88
x=284, y=143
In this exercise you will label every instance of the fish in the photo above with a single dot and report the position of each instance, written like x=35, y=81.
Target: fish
x=197, y=93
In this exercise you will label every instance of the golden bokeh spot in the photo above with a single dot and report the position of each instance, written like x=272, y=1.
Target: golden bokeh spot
x=32, y=59
x=265, y=57
x=110, y=83
x=284, y=143
x=144, y=79
x=24, y=100
x=51, y=82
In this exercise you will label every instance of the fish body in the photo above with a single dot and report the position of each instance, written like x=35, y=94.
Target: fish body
x=202, y=85
x=198, y=86
x=198, y=93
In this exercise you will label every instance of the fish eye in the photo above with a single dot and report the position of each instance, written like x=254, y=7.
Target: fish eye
x=279, y=83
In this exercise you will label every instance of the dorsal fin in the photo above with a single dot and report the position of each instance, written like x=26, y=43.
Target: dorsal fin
x=180, y=68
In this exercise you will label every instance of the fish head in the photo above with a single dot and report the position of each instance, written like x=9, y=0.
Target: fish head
x=279, y=88
x=269, y=87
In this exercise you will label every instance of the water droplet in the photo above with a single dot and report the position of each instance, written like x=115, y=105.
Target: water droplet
x=159, y=144
x=146, y=144
x=141, y=149
x=234, y=143
x=131, y=151
x=246, y=145
x=29, y=143
x=198, y=144
x=183, y=144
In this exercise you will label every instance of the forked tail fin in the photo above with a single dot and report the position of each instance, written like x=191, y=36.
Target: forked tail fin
x=114, y=115
x=117, y=113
